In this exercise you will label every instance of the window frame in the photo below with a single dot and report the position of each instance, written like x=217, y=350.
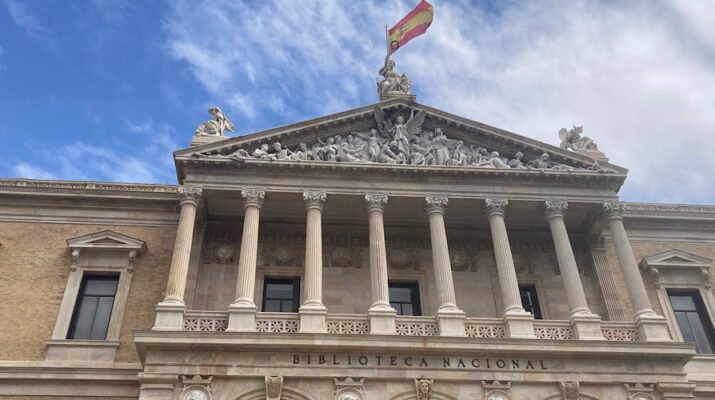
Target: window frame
x=535, y=289
x=81, y=294
x=415, y=295
x=297, y=291
x=700, y=309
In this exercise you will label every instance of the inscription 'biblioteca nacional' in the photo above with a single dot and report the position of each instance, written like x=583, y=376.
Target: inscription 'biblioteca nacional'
x=402, y=361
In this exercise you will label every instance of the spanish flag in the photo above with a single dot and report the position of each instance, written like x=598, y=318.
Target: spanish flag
x=413, y=25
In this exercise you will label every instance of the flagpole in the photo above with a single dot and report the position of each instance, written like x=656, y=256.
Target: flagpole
x=387, y=39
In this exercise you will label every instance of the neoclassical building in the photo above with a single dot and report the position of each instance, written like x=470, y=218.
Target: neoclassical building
x=389, y=252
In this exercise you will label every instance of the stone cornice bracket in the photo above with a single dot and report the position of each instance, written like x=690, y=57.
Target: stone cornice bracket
x=314, y=200
x=253, y=197
x=375, y=202
x=274, y=387
x=570, y=390
x=495, y=206
x=133, y=254
x=436, y=203
x=555, y=208
x=190, y=195
x=613, y=210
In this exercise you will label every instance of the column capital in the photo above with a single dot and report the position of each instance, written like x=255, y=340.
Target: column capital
x=190, y=195
x=555, y=208
x=375, y=202
x=495, y=206
x=436, y=203
x=314, y=200
x=253, y=197
x=613, y=210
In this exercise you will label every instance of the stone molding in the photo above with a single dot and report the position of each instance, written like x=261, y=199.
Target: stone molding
x=89, y=186
x=375, y=202
x=253, y=197
x=314, y=200
x=495, y=206
x=190, y=195
x=436, y=203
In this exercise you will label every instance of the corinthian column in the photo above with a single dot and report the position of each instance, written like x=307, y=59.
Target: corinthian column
x=242, y=313
x=586, y=325
x=652, y=326
x=450, y=319
x=382, y=315
x=312, y=311
x=519, y=323
x=170, y=312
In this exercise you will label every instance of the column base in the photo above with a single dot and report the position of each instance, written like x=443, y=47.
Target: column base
x=241, y=317
x=519, y=325
x=587, y=327
x=169, y=317
x=653, y=328
x=451, y=323
x=382, y=321
x=312, y=319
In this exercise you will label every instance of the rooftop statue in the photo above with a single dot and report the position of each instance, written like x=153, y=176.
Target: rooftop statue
x=572, y=139
x=393, y=83
x=215, y=126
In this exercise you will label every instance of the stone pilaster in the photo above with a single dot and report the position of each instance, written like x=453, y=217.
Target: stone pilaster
x=652, y=327
x=519, y=323
x=586, y=325
x=312, y=311
x=676, y=390
x=242, y=313
x=450, y=319
x=170, y=312
x=381, y=313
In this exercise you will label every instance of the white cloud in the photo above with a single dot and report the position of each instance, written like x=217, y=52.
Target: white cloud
x=639, y=75
x=24, y=18
x=25, y=170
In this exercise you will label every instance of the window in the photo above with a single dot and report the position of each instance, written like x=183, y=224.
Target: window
x=693, y=320
x=530, y=301
x=405, y=298
x=281, y=295
x=94, y=307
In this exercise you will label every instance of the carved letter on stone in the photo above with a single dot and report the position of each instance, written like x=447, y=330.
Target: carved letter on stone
x=423, y=386
x=274, y=387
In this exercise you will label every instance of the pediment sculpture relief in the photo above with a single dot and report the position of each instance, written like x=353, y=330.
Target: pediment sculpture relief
x=217, y=125
x=400, y=139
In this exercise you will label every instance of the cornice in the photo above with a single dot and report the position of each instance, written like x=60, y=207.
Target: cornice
x=28, y=184
x=667, y=209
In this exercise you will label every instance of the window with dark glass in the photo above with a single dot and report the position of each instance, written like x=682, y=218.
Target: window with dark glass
x=530, y=300
x=281, y=294
x=693, y=319
x=94, y=307
x=405, y=298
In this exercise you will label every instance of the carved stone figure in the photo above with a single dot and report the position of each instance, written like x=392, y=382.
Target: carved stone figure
x=274, y=387
x=423, y=387
x=572, y=139
x=281, y=153
x=570, y=390
x=217, y=125
x=517, y=162
x=393, y=82
x=262, y=153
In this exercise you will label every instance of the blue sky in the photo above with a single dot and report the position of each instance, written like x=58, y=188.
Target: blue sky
x=107, y=89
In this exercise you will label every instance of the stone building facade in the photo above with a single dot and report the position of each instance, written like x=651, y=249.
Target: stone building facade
x=382, y=253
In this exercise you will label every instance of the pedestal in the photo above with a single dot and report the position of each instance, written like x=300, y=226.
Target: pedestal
x=519, y=325
x=169, y=317
x=587, y=327
x=312, y=319
x=241, y=318
x=653, y=328
x=451, y=323
x=382, y=321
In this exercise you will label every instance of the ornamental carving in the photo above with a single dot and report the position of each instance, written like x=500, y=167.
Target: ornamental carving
x=423, y=386
x=461, y=261
x=398, y=137
x=375, y=202
x=496, y=206
x=253, y=197
x=435, y=203
x=343, y=257
x=348, y=389
x=217, y=125
x=282, y=255
x=570, y=390
x=402, y=259
x=274, y=387
x=496, y=390
x=190, y=194
x=314, y=200
x=640, y=391
x=613, y=210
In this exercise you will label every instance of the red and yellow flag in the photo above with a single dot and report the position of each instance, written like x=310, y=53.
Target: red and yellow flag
x=413, y=25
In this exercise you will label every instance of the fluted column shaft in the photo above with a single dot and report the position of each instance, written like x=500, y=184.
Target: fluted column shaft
x=508, y=283
x=435, y=207
x=246, y=279
x=375, y=204
x=555, y=211
x=631, y=274
x=182, y=245
x=314, y=250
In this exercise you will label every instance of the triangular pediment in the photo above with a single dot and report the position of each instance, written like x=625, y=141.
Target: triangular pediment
x=106, y=240
x=398, y=132
x=676, y=259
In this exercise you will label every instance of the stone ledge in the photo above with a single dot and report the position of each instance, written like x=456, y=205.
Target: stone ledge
x=88, y=351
